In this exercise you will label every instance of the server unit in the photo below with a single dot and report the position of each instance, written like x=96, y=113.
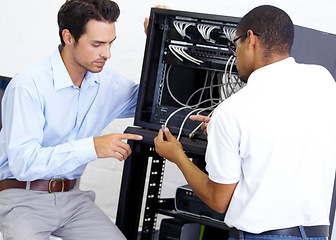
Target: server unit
x=177, y=229
x=186, y=201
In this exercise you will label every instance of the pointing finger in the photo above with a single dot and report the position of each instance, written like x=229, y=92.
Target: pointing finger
x=131, y=136
x=200, y=118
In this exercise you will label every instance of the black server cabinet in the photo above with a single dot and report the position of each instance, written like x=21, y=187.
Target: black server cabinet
x=187, y=69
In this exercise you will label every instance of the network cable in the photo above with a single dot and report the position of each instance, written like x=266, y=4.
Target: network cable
x=230, y=33
x=191, y=135
x=203, y=88
x=205, y=30
x=228, y=83
x=182, y=26
x=179, y=51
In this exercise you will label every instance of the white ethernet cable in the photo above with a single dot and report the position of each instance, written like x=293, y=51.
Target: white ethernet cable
x=182, y=26
x=224, y=93
x=187, y=117
x=186, y=107
x=230, y=33
x=180, y=51
x=233, y=84
x=226, y=77
x=192, y=133
x=229, y=80
x=172, y=49
x=175, y=99
x=226, y=90
x=190, y=58
x=205, y=30
x=203, y=88
x=211, y=87
x=173, y=113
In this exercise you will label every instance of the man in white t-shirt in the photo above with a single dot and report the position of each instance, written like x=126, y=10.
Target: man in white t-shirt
x=271, y=154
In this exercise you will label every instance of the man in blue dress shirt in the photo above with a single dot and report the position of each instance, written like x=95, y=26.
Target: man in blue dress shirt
x=53, y=114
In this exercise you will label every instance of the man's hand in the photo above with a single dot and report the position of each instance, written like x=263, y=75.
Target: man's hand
x=146, y=22
x=215, y=195
x=203, y=119
x=168, y=146
x=111, y=145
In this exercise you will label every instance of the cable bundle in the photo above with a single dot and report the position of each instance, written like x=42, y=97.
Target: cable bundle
x=230, y=33
x=205, y=30
x=180, y=51
x=229, y=84
x=182, y=26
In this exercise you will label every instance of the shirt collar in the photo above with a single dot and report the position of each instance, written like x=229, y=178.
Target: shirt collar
x=62, y=78
x=279, y=64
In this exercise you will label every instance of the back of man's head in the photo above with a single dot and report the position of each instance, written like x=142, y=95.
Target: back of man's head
x=274, y=26
x=74, y=15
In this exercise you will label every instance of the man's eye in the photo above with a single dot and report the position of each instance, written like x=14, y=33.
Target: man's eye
x=96, y=45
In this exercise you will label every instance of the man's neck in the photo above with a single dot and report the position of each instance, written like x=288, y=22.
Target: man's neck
x=270, y=60
x=75, y=71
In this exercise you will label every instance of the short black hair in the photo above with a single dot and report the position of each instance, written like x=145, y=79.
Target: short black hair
x=75, y=14
x=274, y=26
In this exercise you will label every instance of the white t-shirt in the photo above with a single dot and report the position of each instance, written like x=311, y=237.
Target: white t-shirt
x=277, y=138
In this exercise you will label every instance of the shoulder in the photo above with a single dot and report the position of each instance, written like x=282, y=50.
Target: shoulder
x=310, y=68
x=233, y=108
x=316, y=73
x=32, y=74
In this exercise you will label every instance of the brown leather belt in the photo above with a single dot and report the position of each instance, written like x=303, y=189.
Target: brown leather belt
x=311, y=231
x=52, y=185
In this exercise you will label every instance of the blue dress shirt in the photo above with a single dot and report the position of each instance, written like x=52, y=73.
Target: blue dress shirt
x=49, y=123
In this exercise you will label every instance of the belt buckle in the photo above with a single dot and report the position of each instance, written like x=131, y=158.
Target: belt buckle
x=55, y=180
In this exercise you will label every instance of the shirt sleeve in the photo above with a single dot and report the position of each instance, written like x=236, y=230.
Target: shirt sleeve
x=222, y=154
x=122, y=100
x=28, y=158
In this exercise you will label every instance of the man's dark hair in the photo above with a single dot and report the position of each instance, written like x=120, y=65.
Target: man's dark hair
x=274, y=26
x=75, y=14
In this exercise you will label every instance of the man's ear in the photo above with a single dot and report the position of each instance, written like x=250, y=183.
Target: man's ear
x=252, y=38
x=67, y=37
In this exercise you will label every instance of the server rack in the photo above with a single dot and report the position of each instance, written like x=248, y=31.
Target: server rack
x=191, y=59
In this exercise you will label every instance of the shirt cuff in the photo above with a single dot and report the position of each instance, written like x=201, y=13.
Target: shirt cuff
x=85, y=149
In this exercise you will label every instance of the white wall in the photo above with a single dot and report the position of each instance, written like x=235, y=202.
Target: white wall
x=29, y=31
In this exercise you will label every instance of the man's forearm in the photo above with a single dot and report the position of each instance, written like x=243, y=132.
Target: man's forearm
x=216, y=196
